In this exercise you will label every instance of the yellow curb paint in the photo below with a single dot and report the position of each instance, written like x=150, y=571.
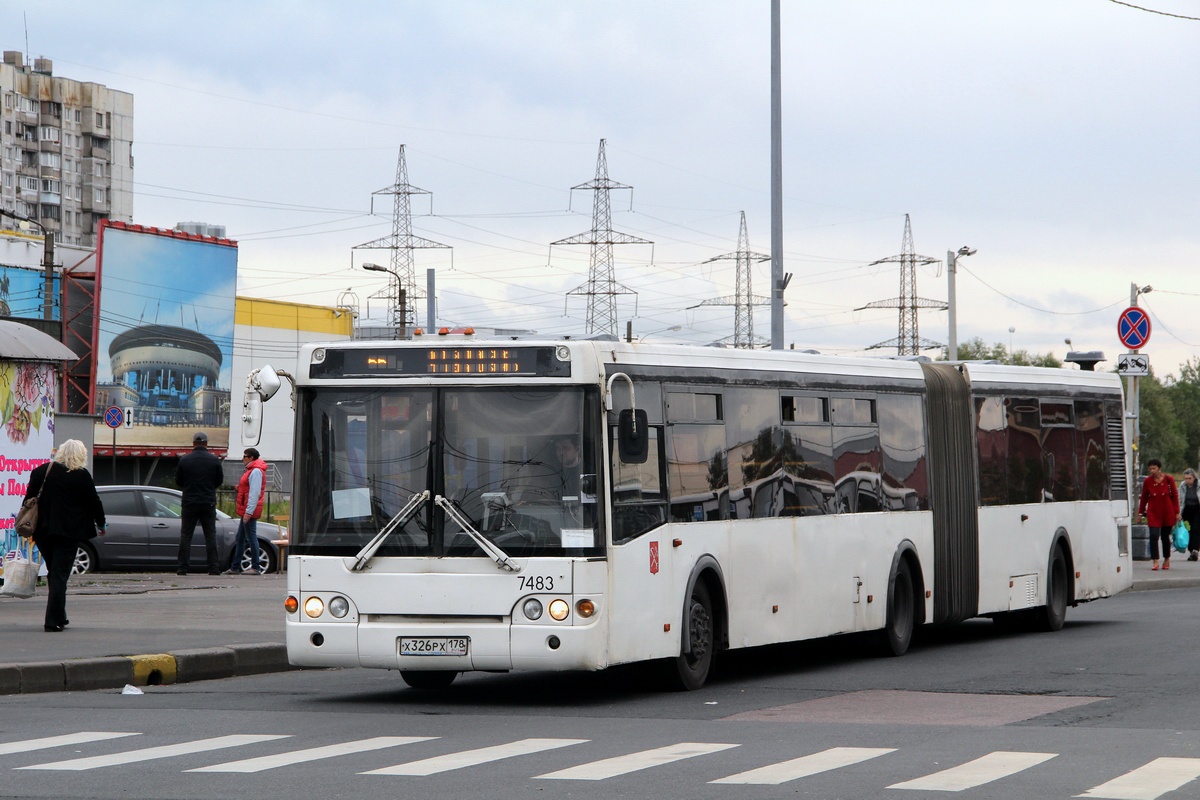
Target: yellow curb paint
x=145, y=666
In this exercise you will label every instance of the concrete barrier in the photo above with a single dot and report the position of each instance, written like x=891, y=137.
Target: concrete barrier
x=43, y=676
x=254, y=659
x=114, y=672
x=97, y=673
x=204, y=663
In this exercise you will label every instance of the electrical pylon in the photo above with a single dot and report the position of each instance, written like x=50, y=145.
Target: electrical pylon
x=602, y=288
x=743, y=300
x=909, y=341
x=402, y=291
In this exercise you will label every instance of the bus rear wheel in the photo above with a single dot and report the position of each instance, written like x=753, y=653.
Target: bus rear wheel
x=901, y=613
x=689, y=671
x=436, y=679
x=1051, y=616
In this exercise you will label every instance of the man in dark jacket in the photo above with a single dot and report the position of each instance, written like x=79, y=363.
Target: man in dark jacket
x=199, y=475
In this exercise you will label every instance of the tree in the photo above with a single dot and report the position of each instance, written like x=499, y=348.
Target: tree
x=975, y=350
x=1184, y=394
x=1162, y=430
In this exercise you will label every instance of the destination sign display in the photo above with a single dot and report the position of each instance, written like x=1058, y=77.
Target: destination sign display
x=467, y=361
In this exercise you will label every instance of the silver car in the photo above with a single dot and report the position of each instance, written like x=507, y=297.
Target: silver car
x=143, y=534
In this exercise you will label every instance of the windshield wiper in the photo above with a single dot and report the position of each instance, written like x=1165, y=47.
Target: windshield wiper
x=491, y=549
x=365, y=555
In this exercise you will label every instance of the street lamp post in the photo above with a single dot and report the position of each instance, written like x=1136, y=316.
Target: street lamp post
x=1011, y=331
x=398, y=310
x=47, y=262
x=952, y=268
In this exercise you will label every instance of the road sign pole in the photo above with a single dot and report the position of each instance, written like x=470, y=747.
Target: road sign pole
x=114, y=457
x=1135, y=423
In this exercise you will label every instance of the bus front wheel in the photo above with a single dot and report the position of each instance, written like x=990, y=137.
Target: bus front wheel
x=437, y=679
x=901, y=613
x=689, y=671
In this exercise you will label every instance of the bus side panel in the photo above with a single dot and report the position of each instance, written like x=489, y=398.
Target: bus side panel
x=1016, y=551
x=649, y=576
x=786, y=580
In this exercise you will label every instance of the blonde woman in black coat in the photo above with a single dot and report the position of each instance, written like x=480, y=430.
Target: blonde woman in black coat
x=69, y=512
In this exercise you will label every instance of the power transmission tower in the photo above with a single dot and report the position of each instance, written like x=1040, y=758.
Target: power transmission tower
x=743, y=300
x=602, y=288
x=909, y=342
x=402, y=291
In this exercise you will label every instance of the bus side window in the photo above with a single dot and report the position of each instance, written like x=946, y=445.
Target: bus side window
x=638, y=501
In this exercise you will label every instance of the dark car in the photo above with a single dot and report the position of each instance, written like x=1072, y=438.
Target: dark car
x=143, y=534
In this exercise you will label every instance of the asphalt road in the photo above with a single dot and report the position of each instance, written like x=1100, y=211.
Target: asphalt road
x=1109, y=707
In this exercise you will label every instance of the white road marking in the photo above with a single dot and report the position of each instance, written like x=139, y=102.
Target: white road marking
x=833, y=758
x=151, y=753
x=471, y=758
x=991, y=767
x=312, y=754
x=59, y=741
x=1155, y=779
x=621, y=765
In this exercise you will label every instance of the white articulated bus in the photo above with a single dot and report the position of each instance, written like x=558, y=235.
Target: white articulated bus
x=571, y=505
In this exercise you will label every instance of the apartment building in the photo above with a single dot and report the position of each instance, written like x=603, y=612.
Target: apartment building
x=66, y=150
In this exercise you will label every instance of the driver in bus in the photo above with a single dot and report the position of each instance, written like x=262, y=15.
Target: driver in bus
x=566, y=449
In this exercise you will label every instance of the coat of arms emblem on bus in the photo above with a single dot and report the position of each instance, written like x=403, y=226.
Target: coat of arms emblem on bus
x=654, y=558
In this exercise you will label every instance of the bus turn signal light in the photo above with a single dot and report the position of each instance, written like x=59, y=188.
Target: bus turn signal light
x=585, y=608
x=291, y=604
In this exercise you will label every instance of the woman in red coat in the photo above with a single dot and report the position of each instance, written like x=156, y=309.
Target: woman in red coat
x=1160, y=506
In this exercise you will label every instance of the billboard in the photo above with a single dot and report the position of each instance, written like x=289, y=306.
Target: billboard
x=27, y=392
x=165, y=343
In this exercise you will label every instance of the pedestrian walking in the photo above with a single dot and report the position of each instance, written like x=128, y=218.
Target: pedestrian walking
x=1189, y=499
x=198, y=476
x=69, y=512
x=250, y=496
x=1159, y=506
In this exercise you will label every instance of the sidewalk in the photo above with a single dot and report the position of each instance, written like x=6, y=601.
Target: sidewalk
x=144, y=628
x=153, y=628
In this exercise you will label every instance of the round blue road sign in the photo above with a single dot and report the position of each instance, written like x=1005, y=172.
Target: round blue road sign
x=1133, y=328
x=114, y=417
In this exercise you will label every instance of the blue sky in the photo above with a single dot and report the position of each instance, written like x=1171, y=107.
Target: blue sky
x=1056, y=138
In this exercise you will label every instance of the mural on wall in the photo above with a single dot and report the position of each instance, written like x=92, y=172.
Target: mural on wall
x=165, y=347
x=27, y=390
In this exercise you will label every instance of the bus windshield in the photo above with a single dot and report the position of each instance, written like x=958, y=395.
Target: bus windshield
x=518, y=464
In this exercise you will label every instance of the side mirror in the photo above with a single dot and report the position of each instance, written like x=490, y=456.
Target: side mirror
x=633, y=436
x=265, y=382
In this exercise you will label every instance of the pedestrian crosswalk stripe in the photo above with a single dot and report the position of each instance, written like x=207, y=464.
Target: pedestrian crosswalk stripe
x=59, y=741
x=1155, y=779
x=785, y=771
x=151, y=753
x=471, y=758
x=312, y=754
x=621, y=765
x=991, y=767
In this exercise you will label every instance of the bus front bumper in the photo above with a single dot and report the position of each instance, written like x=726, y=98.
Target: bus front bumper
x=492, y=645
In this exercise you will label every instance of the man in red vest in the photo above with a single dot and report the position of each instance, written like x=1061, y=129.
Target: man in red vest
x=250, y=496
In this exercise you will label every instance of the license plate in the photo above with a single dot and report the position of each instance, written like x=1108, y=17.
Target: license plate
x=435, y=646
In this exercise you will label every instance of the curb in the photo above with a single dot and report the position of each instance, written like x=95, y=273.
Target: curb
x=114, y=672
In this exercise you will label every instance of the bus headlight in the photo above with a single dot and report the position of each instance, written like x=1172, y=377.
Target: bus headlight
x=339, y=607
x=314, y=607
x=559, y=609
x=585, y=608
x=532, y=609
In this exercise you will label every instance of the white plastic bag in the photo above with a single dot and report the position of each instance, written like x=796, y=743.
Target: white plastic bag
x=20, y=574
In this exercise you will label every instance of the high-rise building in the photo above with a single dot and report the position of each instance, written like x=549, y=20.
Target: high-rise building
x=66, y=150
